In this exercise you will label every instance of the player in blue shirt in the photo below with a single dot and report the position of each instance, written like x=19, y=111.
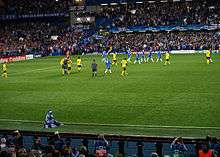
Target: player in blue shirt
x=108, y=66
x=137, y=59
x=150, y=56
x=104, y=55
x=129, y=55
x=143, y=58
x=159, y=58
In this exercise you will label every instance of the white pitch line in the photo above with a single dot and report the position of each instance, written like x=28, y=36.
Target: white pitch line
x=116, y=125
x=41, y=69
x=34, y=70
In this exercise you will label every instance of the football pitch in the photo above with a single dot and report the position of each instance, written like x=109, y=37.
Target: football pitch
x=181, y=99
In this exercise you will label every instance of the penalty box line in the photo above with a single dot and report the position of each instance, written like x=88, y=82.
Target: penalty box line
x=29, y=71
x=116, y=125
x=36, y=70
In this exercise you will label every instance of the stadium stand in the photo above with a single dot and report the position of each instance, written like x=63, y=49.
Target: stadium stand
x=23, y=7
x=35, y=38
x=26, y=143
x=45, y=37
x=162, y=13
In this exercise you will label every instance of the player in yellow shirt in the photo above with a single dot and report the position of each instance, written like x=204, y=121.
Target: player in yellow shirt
x=69, y=66
x=110, y=48
x=124, y=64
x=208, y=56
x=167, y=58
x=4, y=70
x=79, y=65
x=114, y=58
x=64, y=66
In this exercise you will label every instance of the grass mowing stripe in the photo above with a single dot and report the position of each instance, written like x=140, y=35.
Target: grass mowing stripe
x=116, y=125
x=30, y=71
x=36, y=70
x=184, y=94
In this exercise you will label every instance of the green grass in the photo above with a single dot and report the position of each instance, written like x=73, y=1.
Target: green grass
x=185, y=93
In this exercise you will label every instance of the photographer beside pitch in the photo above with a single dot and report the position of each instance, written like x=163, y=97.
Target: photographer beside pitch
x=50, y=121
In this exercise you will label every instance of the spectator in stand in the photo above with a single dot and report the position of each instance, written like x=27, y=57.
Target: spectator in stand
x=154, y=155
x=37, y=147
x=17, y=140
x=215, y=146
x=58, y=141
x=205, y=151
x=55, y=145
x=4, y=149
x=68, y=151
x=83, y=148
x=101, y=147
x=178, y=147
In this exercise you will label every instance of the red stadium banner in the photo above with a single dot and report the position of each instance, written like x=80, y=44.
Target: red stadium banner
x=2, y=60
x=12, y=59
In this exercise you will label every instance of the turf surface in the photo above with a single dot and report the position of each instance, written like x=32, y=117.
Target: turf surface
x=185, y=94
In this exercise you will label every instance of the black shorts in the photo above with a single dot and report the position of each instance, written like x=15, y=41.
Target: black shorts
x=64, y=66
x=167, y=60
x=4, y=71
x=208, y=58
x=79, y=66
x=94, y=70
x=69, y=68
x=124, y=69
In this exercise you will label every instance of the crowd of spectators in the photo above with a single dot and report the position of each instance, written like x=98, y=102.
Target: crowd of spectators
x=153, y=13
x=162, y=13
x=39, y=37
x=156, y=41
x=11, y=145
x=24, y=7
x=45, y=38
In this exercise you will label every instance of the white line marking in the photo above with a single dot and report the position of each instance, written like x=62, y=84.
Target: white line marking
x=29, y=71
x=116, y=125
x=41, y=69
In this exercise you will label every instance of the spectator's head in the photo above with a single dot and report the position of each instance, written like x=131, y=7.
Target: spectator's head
x=154, y=155
x=35, y=153
x=16, y=133
x=68, y=142
x=83, y=150
x=100, y=136
x=214, y=140
x=3, y=142
x=205, y=148
x=37, y=140
x=22, y=152
x=56, y=134
x=179, y=140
